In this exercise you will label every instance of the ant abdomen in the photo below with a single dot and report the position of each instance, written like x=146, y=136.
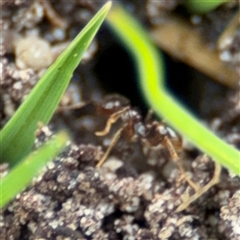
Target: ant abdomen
x=159, y=133
x=155, y=133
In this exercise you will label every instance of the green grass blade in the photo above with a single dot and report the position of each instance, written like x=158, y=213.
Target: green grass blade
x=151, y=74
x=23, y=173
x=16, y=138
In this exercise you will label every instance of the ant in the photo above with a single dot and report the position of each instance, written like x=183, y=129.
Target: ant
x=149, y=133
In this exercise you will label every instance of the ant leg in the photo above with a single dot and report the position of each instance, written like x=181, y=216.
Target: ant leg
x=168, y=144
x=112, y=144
x=202, y=190
x=111, y=120
x=190, y=182
x=149, y=115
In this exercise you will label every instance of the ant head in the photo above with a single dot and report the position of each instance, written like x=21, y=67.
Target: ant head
x=112, y=103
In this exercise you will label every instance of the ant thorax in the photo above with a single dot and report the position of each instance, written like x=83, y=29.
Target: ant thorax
x=134, y=129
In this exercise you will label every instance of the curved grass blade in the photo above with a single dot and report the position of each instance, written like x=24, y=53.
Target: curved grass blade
x=16, y=138
x=22, y=174
x=151, y=74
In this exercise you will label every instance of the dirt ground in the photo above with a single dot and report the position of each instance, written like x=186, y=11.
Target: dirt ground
x=137, y=192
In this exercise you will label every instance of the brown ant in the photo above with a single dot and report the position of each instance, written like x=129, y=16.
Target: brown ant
x=150, y=133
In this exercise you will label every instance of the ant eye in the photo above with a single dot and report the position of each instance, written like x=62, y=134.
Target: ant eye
x=112, y=103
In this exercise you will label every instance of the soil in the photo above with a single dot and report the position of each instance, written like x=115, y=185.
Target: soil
x=136, y=193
